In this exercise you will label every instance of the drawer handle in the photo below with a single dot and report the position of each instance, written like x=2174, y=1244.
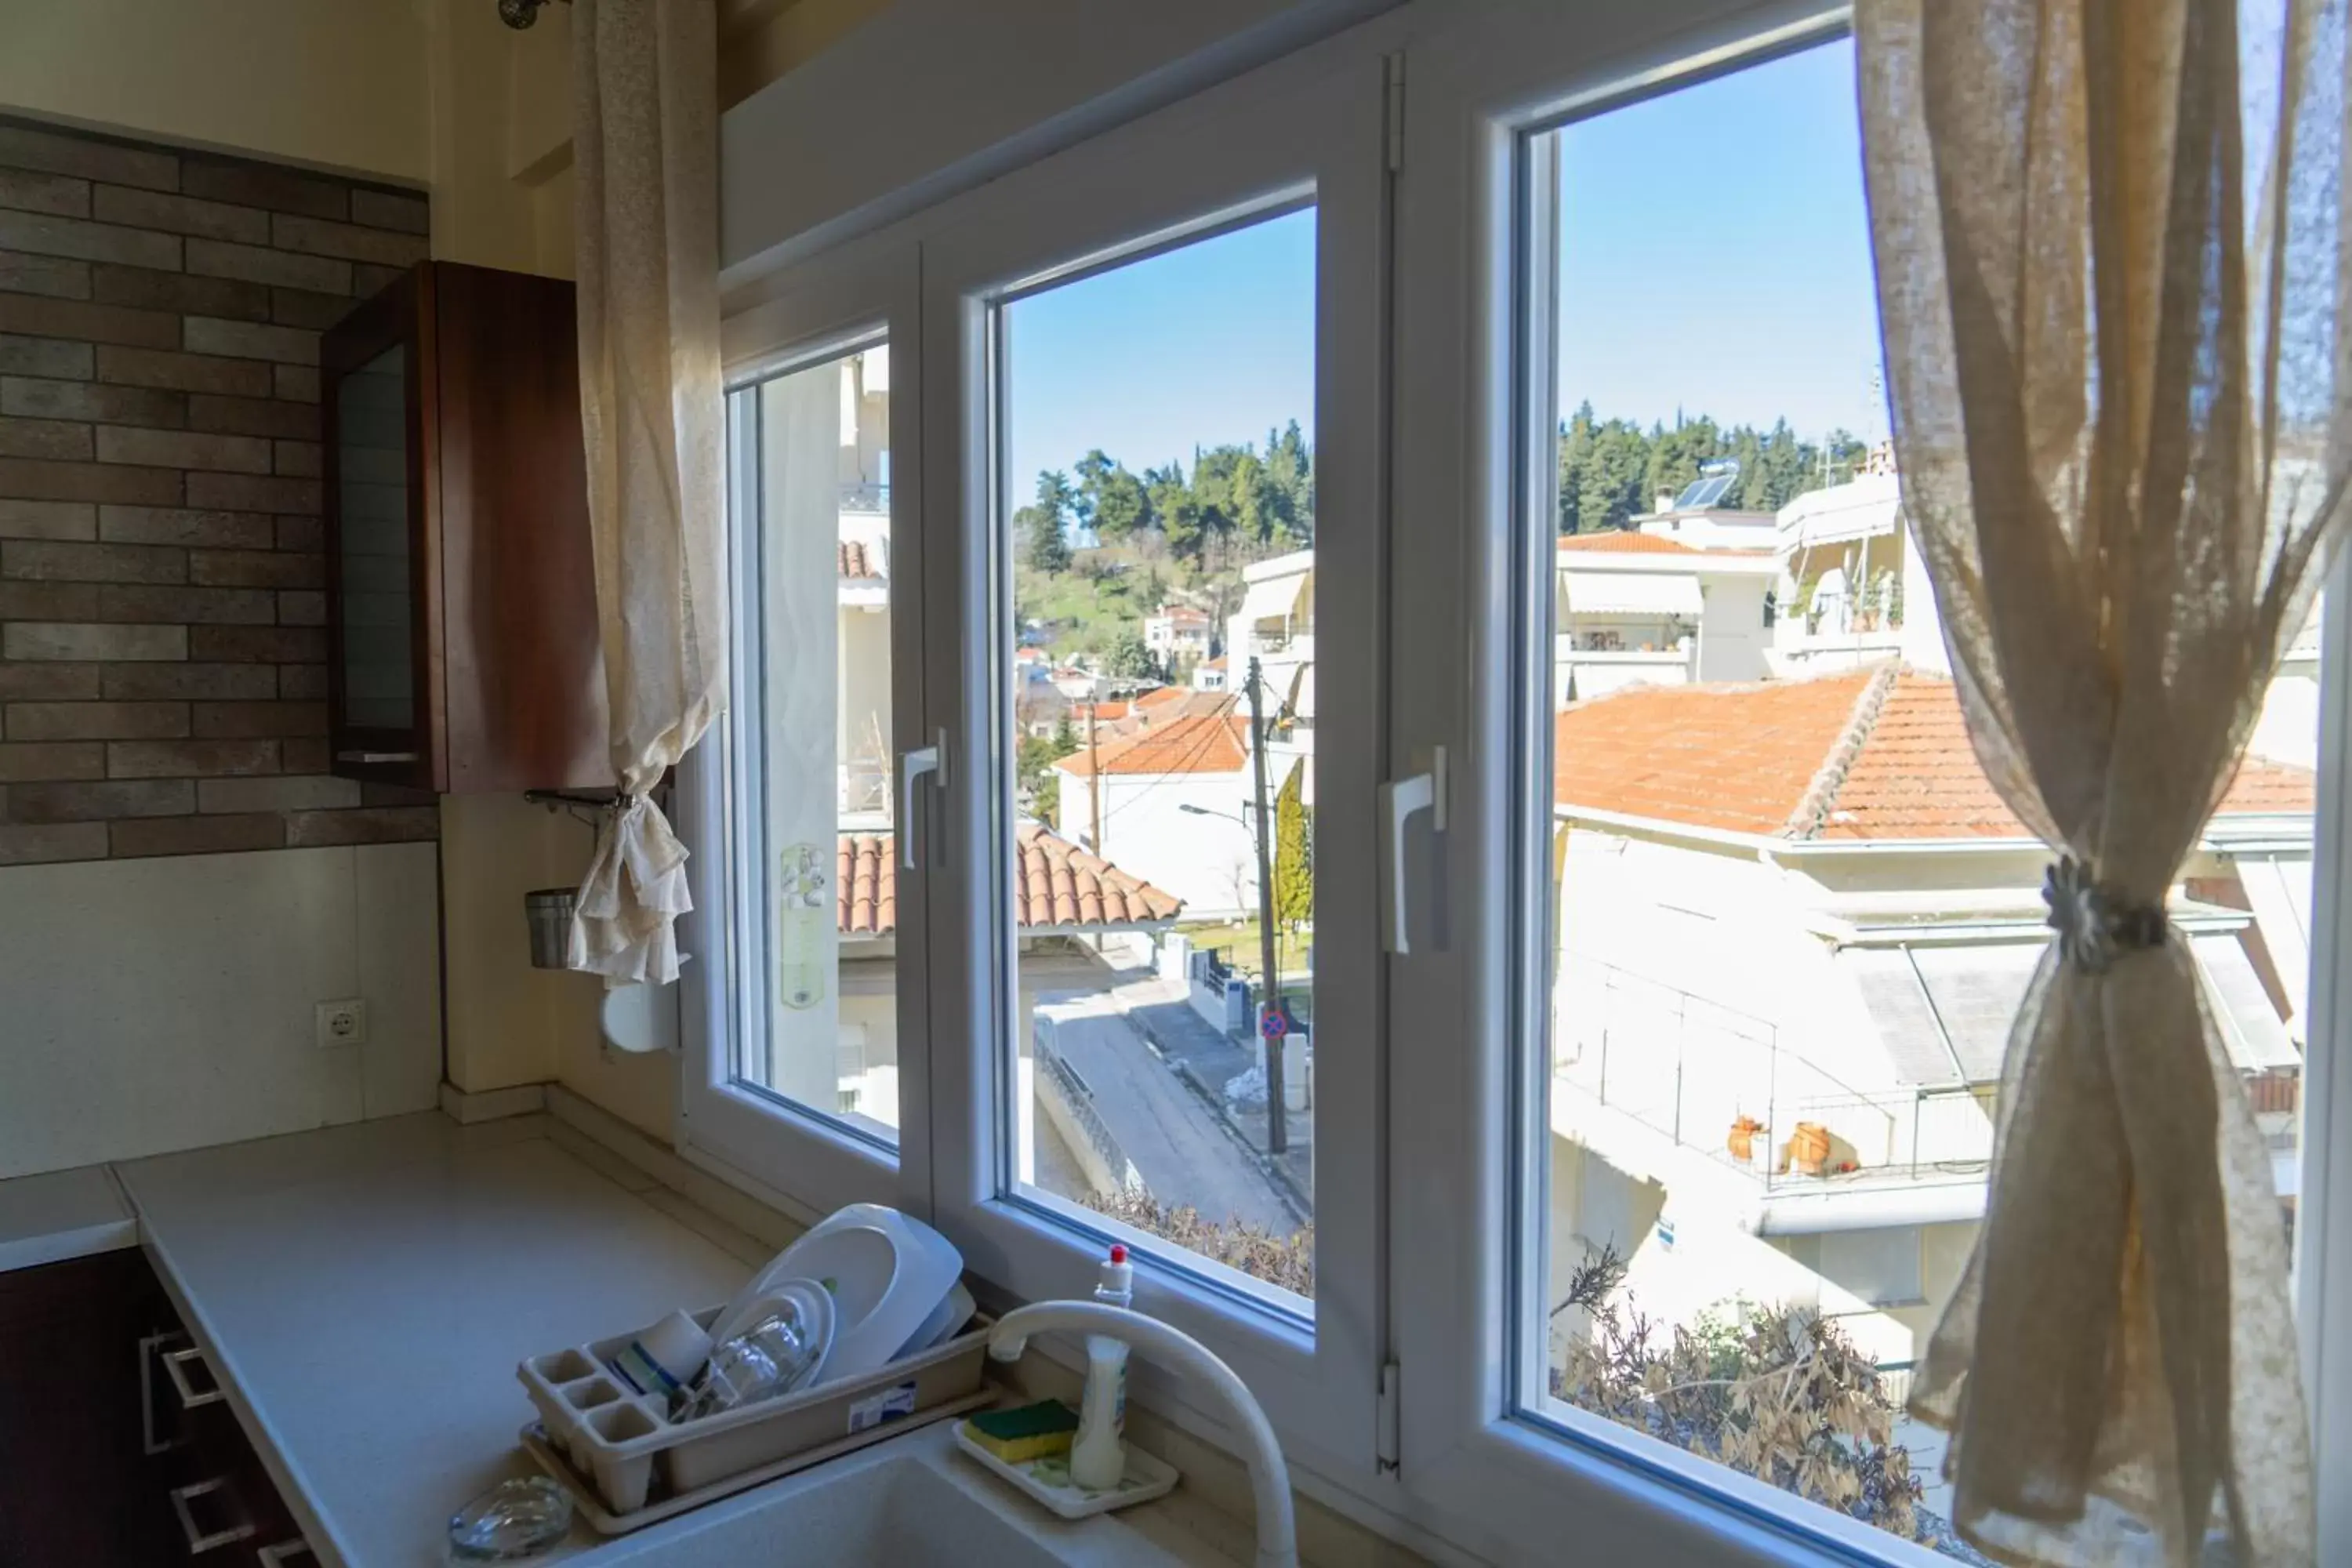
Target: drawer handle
x=198, y=1542
x=375, y=756
x=149, y=1442
x=277, y=1556
x=176, y=1362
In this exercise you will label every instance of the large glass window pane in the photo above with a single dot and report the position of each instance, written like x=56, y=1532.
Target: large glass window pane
x=814, y=815
x=1789, y=920
x=1159, y=654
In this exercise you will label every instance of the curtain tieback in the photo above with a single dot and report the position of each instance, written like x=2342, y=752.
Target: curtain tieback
x=2096, y=925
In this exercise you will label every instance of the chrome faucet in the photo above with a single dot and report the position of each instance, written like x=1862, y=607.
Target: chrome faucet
x=1277, y=1530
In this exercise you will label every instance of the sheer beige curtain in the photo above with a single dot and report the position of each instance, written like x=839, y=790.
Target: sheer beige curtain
x=645, y=150
x=2110, y=242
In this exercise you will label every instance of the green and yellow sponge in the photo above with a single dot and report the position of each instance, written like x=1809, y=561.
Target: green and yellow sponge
x=1025, y=1433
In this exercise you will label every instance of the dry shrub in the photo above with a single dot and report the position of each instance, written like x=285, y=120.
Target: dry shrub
x=1286, y=1261
x=1779, y=1393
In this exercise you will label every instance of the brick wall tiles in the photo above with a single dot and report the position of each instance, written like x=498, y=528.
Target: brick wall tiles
x=162, y=674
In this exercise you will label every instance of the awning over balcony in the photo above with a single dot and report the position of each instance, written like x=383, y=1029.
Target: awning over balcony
x=1943, y=1010
x=1275, y=599
x=1632, y=594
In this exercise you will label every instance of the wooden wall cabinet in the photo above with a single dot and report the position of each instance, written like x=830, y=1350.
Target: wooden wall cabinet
x=463, y=649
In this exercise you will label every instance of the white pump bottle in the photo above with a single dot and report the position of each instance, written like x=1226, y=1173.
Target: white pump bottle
x=1098, y=1457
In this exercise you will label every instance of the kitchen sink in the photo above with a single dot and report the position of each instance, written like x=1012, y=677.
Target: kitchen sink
x=901, y=1504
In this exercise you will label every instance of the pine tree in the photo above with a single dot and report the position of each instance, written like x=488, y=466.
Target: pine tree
x=1047, y=543
x=1293, y=853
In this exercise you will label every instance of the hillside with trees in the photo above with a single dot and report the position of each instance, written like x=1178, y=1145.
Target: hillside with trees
x=1611, y=469
x=1100, y=548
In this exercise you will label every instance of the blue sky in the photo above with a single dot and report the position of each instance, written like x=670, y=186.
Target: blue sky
x=1715, y=253
x=1714, y=260
x=1210, y=344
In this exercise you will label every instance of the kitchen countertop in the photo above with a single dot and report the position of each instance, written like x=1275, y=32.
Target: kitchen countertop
x=364, y=1293
x=59, y=1214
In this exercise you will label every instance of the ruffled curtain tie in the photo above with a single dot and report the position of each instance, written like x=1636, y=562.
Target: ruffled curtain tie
x=2096, y=925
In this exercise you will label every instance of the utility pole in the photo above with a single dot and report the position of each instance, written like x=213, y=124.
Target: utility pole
x=1277, y=1133
x=1094, y=782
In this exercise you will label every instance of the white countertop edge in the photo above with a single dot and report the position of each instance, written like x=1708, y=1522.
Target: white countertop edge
x=58, y=1246
x=283, y=1473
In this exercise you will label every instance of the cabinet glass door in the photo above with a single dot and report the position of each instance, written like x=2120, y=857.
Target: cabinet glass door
x=373, y=558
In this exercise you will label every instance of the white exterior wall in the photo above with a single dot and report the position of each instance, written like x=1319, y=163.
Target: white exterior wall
x=1682, y=969
x=1731, y=632
x=864, y=731
x=1210, y=862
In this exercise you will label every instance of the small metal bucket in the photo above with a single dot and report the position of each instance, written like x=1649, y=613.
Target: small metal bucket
x=549, y=909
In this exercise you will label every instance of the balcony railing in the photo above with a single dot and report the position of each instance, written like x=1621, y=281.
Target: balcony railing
x=1718, y=1081
x=1702, y=1073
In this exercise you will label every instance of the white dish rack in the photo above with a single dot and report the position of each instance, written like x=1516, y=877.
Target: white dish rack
x=626, y=1444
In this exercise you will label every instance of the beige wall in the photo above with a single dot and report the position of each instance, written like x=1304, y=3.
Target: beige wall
x=437, y=93
x=762, y=39
x=341, y=83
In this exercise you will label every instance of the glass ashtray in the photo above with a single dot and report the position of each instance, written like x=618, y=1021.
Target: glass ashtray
x=517, y=1517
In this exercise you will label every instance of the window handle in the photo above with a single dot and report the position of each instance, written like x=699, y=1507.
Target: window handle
x=1402, y=800
x=931, y=760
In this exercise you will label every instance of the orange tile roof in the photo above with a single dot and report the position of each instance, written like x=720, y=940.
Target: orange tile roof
x=1879, y=754
x=1626, y=541
x=1058, y=885
x=1105, y=713
x=1159, y=695
x=1190, y=743
x=858, y=560
x=1737, y=758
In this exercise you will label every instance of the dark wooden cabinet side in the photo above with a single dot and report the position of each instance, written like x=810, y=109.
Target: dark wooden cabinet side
x=510, y=677
x=524, y=661
x=76, y=1485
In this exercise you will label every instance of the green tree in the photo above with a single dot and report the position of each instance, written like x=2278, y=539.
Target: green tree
x=1290, y=466
x=1178, y=513
x=1609, y=487
x=1111, y=501
x=1128, y=658
x=1226, y=486
x=1033, y=771
x=1293, y=853
x=1043, y=524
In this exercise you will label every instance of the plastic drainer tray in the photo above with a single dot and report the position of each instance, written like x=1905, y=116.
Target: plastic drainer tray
x=626, y=1445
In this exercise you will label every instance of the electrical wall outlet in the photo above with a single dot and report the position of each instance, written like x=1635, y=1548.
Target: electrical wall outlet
x=342, y=1023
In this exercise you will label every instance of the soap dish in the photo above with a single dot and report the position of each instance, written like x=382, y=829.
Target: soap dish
x=1047, y=1478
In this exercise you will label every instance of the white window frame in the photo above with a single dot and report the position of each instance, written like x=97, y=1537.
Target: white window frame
x=1415, y=1198
x=805, y=317
x=1310, y=126
x=1457, y=1200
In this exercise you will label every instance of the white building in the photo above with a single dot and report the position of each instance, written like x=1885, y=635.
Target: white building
x=1853, y=588
x=1177, y=634
x=1636, y=609
x=1794, y=923
x=1168, y=802
x=1276, y=626
x=1694, y=518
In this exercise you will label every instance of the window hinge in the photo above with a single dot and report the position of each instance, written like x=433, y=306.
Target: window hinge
x=1385, y=1441
x=1393, y=109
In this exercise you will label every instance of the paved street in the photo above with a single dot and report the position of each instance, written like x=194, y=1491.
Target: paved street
x=1179, y=1145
